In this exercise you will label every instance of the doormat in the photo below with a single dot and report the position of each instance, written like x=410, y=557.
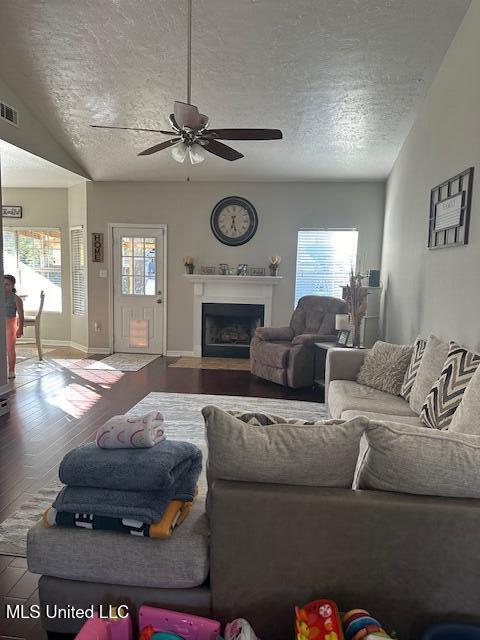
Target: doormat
x=233, y=364
x=183, y=421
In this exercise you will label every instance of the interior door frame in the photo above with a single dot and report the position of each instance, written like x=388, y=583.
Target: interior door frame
x=111, y=277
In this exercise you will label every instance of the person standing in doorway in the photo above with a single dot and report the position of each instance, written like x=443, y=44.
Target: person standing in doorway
x=13, y=325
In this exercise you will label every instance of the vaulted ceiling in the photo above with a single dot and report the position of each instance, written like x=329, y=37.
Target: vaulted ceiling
x=343, y=79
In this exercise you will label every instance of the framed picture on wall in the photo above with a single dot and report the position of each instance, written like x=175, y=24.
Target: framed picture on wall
x=11, y=211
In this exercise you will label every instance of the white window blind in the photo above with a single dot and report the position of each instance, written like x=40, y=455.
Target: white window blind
x=34, y=257
x=325, y=258
x=77, y=248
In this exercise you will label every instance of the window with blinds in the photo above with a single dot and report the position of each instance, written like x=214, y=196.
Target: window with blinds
x=325, y=258
x=79, y=275
x=34, y=257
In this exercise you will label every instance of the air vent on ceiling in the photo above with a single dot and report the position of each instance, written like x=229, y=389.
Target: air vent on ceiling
x=9, y=114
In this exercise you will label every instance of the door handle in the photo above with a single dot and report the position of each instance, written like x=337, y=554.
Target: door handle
x=159, y=301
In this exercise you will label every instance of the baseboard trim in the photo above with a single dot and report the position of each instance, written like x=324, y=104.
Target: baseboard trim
x=100, y=350
x=79, y=347
x=177, y=354
x=45, y=341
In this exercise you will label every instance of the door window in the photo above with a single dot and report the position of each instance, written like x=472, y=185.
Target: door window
x=138, y=265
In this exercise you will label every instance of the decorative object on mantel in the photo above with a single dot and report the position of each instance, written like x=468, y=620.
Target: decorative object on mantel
x=224, y=269
x=208, y=271
x=355, y=295
x=188, y=264
x=450, y=205
x=11, y=211
x=234, y=221
x=242, y=270
x=274, y=264
x=257, y=271
x=97, y=247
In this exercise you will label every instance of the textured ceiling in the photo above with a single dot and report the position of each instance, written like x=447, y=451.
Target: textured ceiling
x=343, y=79
x=23, y=169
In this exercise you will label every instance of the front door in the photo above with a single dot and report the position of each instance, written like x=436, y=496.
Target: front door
x=138, y=297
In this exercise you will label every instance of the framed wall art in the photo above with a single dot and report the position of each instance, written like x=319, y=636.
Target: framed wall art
x=450, y=205
x=97, y=247
x=11, y=211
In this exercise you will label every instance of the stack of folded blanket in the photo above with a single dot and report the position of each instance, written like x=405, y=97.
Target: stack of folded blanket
x=141, y=491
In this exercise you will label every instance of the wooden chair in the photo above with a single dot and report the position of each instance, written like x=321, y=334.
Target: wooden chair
x=34, y=321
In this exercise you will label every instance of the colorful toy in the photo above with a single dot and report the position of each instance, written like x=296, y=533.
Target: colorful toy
x=162, y=624
x=111, y=628
x=239, y=629
x=318, y=620
x=359, y=625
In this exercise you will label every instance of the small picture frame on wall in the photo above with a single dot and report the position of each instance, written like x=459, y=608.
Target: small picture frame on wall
x=257, y=271
x=208, y=271
x=342, y=337
x=11, y=211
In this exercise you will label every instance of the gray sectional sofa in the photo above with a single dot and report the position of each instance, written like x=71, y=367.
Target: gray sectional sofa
x=264, y=548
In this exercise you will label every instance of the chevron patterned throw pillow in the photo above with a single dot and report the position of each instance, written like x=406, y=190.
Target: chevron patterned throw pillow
x=447, y=392
x=411, y=373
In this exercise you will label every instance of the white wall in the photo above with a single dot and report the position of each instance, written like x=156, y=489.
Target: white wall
x=436, y=291
x=46, y=208
x=283, y=208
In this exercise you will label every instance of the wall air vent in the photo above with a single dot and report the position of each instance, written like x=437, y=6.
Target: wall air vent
x=9, y=114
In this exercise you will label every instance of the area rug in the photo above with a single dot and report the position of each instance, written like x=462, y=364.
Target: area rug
x=183, y=421
x=232, y=364
x=115, y=362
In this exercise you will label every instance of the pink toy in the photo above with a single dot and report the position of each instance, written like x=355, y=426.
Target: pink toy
x=112, y=628
x=185, y=625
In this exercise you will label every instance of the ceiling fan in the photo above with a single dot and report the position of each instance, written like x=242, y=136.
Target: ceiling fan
x=190, y=127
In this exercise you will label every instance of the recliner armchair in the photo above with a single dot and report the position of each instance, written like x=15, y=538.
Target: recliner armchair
x=285, y=355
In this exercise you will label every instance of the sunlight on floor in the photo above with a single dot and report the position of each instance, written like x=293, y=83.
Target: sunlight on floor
x=76, y=399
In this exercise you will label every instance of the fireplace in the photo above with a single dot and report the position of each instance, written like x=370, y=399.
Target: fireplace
x=227, y=329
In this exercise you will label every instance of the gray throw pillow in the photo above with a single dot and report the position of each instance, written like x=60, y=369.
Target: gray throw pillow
x=412, y=369
x=466, y=418
x=429, y=371
x=447, y=392
x=384, y=367
x=322, y=455
x=410, y=459
x=264, y=419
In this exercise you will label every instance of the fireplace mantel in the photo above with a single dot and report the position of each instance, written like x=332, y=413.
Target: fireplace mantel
x=229, y=289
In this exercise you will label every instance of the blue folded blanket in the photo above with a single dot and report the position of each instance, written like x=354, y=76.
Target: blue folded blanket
x=155, y=469
x=147, y=506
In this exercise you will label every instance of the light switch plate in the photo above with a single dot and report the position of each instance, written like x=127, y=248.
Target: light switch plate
x=103, y=273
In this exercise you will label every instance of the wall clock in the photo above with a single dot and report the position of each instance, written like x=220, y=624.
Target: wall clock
x=234, y=221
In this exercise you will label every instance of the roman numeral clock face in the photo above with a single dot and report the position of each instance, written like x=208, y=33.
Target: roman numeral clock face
x=234, y=221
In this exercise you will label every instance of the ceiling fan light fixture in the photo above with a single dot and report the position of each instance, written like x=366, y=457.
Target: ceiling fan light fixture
x=196, y=154
x=179, y=152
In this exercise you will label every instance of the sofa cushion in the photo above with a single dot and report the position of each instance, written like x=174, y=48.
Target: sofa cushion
x=381, y=417
x=412, y=369
x=273, y=354
x=416, y=460
x=447, y=392
x=347, y=394
x=384, y=367
x=466, y=418
x=429, y=371
x=321, y=455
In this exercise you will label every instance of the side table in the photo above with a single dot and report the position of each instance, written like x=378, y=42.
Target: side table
x=320, y=360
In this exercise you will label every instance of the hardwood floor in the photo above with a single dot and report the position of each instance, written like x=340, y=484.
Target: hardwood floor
x=60, y=410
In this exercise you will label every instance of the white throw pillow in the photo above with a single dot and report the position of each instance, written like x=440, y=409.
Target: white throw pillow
x=385, y=366
x=410, y=459
x=320, y=455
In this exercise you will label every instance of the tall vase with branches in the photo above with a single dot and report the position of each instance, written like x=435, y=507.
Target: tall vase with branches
x=355, y=295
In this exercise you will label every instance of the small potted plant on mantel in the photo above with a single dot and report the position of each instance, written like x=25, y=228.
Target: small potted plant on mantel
x=274, y=264
x=188, y=263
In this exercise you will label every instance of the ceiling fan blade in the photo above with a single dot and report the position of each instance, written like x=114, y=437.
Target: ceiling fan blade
x=159, y=147
x=174, y=123
x=244, y=134
x=106, y=126
x=221, y=150
x=187, y=115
